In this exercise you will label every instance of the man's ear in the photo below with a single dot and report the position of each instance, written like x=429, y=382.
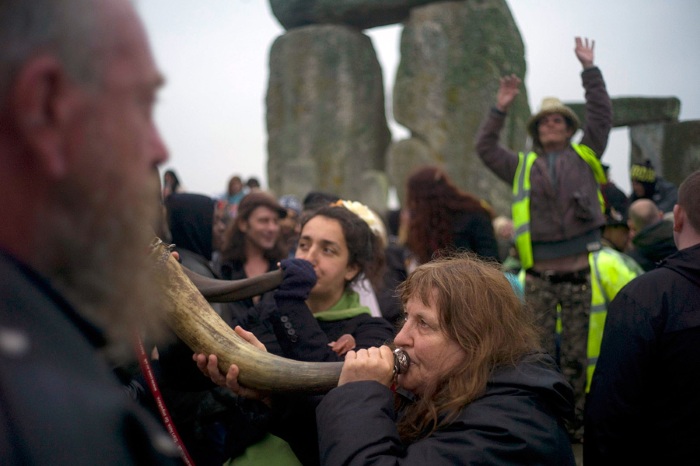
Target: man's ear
x=41, y=105
x=678, y=218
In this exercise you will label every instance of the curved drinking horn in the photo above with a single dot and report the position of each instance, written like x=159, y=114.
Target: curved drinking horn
x=193, y=320
x=224, y=291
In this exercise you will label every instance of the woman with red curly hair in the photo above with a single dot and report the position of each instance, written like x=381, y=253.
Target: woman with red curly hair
x=440, y=216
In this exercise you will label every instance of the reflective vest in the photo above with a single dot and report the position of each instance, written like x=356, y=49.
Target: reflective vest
x=610, y=271
x=521, y=198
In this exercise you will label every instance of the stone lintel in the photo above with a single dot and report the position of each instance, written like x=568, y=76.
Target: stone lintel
x=630, y=111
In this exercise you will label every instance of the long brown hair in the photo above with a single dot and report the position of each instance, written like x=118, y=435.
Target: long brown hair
x=479, y=310
x=234, y=239
x=433, y=199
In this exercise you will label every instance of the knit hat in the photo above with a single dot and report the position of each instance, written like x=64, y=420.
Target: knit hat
x=644, y=172
x=551, y=105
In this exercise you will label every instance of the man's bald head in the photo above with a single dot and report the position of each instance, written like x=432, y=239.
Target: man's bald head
x=643, y=213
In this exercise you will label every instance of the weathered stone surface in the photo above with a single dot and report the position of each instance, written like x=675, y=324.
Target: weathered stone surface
x=673, y=148
x=402, y=157
x=375, y=190
x=646, y=142
x=325, y=111
x=452, y=56
x=628, y=111
x=361, y=14
x=681, y=150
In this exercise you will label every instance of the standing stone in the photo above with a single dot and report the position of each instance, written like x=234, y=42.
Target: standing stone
x=452, y=57
x=672, y=148
x=646, y=143
x=326, y=120
x=681, y=150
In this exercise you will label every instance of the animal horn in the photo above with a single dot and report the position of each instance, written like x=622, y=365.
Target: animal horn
x=224, y=291
x=197, y=324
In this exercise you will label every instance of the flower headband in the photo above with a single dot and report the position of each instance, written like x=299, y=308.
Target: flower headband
x=365, y=213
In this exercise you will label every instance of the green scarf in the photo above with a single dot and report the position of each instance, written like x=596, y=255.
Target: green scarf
x=347, y=307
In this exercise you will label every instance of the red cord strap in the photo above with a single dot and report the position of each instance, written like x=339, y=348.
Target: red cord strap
x=164, y=414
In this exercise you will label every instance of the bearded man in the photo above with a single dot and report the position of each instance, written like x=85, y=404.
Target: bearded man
x=79, y=153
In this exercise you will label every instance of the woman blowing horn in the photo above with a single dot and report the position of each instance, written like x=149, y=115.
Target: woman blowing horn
x=315, y=316
x=478, y=390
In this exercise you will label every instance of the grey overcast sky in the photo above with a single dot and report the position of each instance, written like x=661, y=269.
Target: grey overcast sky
x=214, y=56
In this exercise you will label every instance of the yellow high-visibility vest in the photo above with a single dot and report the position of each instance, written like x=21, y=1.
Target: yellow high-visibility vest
x=610, y=271
x=521, y=198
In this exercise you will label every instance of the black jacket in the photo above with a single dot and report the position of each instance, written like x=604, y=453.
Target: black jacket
x=644, y=403
x=474, y=232
x=517, y=421
x=653, y=244
x=663, y=193
x=60, y=403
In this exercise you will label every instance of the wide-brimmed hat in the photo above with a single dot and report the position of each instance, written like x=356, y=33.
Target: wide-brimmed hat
x=551, y=105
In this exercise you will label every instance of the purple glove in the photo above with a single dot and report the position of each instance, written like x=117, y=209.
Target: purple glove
x=298, y=277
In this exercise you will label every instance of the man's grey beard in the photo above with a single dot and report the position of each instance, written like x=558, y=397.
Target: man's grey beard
x=97, y=257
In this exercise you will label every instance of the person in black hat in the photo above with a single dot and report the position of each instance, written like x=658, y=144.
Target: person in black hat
x=647, y=184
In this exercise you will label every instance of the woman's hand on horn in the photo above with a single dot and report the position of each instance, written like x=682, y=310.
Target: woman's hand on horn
x=368, y=364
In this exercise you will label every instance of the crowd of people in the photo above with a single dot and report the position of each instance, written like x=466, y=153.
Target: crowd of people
x=569, y=325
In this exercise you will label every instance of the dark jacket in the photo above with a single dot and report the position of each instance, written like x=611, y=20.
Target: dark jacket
x=570, y=207
x=653, y=244
x=517, y=421
x=304, y=338
x=643, y=407
x=284, y=323
x=208, y=418
x=474, y=232
x=249, y=315
x=662, y=192
x=60, y=403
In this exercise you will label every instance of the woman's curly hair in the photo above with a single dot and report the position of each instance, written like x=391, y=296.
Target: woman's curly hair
x=433, y=200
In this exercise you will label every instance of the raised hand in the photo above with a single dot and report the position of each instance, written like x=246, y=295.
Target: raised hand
x=507, y=92
x=584, y=52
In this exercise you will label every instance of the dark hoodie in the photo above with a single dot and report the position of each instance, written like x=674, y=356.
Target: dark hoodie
x=653, y=244
x=644, y=403
x=517, y=421
x=198, y=408
x=191, y=221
